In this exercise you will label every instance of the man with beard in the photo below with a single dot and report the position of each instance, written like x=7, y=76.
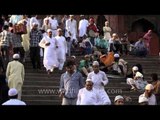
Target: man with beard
x=149, y=95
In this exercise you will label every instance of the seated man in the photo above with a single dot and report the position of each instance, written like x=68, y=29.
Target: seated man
x=140, y=49
x=137, y=82
x=119, y=66
x=101, y=43
x=86, y=45
x=85, y=66
x=107, y=59
x=156, y=84
x=133, y=73
x=143, y=100
x=149, y=95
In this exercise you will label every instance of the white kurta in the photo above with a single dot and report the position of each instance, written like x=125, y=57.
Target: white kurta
x=14, y=102
x=97, y=80
x=71, y=26
x=50, y=57
x=34, y=20
x=140, y=83
x=83, y=24
x=86, y=97
x=107, y=32
x=54, y=25
x=151, y=100
x=62, y=47
x=61, y=50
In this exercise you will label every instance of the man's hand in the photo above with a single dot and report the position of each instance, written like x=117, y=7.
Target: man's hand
x=47, y=44
x=69, y=33
x=102, y=83
x=61, y=95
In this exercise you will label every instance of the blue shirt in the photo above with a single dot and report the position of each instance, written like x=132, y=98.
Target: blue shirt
x=70, y=84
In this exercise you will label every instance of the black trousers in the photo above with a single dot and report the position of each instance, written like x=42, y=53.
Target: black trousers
x=35, y=57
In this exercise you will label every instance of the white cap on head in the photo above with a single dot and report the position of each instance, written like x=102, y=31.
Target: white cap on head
x=71, y=15
x=116, y=55
x=118, y=97
x=138, y=74
x=142, y=99
x=49, y=30
x=73, y=56
x=87, y=56
x=95, y=63
x=34, y=24
x=135, y=68
x=114, y=34
x=16, y=56
x=46, y=19
x=12, y=92
x=106, y=22
x=149, y=87
x=88, y=80
x=59, y=29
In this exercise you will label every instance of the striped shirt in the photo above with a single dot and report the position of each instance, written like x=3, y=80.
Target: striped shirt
x=35, y=38
x=17, y=39
x=70, y=84
x=5, y=38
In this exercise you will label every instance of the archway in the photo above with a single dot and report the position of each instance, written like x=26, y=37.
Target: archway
x=139, y=28
x=142, y=25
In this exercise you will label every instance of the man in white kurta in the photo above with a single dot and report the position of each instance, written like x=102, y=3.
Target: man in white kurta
x=50, y=57
x=83, y=24
x=46, y=25
x=107, y=31
x=149, y=95
x=13, y=94
x=71, y=27
x=34, y=20
x=54, y=24
x=71, y=32
x=99, y=80
x=15, y=74
x=62, y=48
x=88, y=95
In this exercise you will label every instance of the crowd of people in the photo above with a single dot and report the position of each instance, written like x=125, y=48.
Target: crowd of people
x=84, y=82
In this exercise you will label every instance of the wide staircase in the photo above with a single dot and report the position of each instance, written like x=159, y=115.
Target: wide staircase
x=39, y=89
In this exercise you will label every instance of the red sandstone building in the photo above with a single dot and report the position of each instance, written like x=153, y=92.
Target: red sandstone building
x=134, y=25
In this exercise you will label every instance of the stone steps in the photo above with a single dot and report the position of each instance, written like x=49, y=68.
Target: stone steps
x=43, y=102
x=52, y=101
x=39, y=89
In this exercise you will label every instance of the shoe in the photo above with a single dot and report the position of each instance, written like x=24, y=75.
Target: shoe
x=133, y=89
x=52, y=70
x=49, y=72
